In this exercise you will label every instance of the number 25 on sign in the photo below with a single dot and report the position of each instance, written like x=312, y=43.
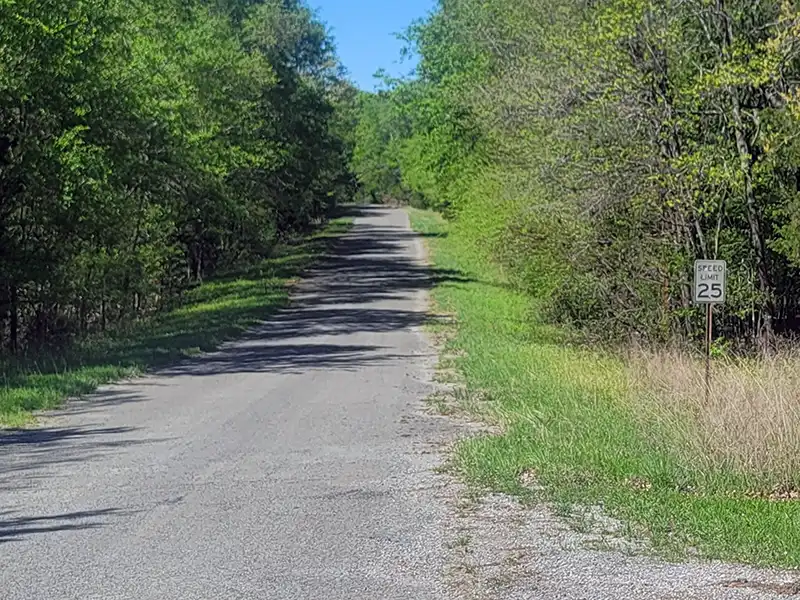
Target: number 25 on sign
x=709, y=281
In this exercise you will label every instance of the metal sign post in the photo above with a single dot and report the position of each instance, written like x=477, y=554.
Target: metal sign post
x=710, y=288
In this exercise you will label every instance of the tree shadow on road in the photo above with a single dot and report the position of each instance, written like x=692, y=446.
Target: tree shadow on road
x=369, y=283
x=31, y=455
x=17, y=528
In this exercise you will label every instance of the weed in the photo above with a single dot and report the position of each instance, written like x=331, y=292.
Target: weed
x=748, y=423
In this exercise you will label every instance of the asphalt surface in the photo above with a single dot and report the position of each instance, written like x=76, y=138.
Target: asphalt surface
x=296, y=463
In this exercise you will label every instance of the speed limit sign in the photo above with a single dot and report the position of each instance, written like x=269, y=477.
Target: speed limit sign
x=710, y=281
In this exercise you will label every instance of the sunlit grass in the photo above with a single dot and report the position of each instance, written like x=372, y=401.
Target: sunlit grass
x=573, y=419
x=215, y=312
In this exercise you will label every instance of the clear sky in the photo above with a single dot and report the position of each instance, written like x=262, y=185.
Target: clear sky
x=364, y=32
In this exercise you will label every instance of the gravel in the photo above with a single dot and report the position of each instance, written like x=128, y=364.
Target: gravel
x=523, y=553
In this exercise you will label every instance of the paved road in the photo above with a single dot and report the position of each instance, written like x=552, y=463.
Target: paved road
x=294, y=464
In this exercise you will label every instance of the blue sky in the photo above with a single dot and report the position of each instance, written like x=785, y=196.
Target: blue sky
x=364, y=33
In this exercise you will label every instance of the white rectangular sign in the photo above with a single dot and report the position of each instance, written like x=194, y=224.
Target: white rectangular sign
x=710, y=281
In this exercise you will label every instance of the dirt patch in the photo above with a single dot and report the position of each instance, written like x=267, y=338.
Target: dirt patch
x=500, y=549
x=779, y=589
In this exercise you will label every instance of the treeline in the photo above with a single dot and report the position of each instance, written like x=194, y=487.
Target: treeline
x=598, y=148
x=145, y=144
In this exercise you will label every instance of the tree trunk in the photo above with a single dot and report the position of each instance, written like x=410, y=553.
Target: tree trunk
x=82, y=317
x=103, y=312
x=198, y=276
x=13, y=320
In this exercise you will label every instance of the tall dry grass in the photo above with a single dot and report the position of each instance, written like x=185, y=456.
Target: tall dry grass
x=749, y=422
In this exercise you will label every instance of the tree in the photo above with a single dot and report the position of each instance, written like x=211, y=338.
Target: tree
x=597, y=149
x=144, y=145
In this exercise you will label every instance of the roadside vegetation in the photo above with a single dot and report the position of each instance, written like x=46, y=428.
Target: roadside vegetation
x=630, y=434
x=211, y=313
x=600, y=148
x=583, y=156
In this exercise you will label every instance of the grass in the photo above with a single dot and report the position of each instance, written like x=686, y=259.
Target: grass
x=212, y=313
x=597, y=430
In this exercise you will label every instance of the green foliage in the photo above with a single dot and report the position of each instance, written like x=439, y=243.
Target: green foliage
x=376, y=157
x=600, y=148
x=144, y=145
